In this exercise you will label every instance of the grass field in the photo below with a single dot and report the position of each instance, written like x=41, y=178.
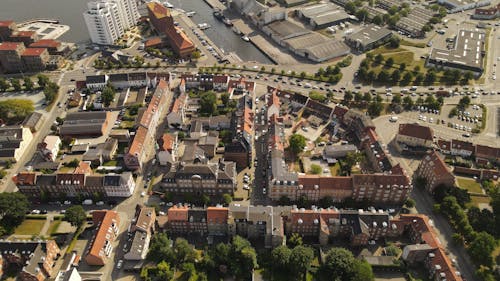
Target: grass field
x=335, y=170
x=54, y=225
x=30, y=227
x=469, y=184
x=476, y=200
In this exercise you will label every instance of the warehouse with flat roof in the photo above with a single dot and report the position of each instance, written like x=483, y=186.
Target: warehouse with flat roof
x=323, y=15
x=368, y=38
x=467, y=55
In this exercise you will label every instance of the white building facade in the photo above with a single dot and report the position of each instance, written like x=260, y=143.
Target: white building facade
x=107, y=20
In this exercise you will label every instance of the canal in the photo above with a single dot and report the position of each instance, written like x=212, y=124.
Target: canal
x=70, y=12
x=219, y=33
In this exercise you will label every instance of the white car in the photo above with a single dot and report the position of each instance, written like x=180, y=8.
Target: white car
x=246, y=187
x=143, y=194
x=264, y=191
x=119, y=264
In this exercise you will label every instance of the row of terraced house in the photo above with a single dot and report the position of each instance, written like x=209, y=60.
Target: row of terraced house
x=274, y=224
x=390, y=183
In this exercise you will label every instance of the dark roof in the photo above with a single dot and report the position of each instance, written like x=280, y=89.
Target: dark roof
x=32, y=119
x=93, y=79
x=416, y=131
x=118, y=77
x=197, y=215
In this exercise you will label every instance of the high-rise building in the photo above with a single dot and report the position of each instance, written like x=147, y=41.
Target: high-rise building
x=108, y=19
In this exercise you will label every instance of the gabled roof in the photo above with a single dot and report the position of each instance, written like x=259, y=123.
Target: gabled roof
x=158, y=10
x=45, y=43
x=10, y=46
x=6, y=23
x=416, y=131
x=178, y=213
x=34, y=52
x=462, y=145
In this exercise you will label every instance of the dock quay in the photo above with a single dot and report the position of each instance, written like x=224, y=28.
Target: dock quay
x=215, y=4
x=45, y=28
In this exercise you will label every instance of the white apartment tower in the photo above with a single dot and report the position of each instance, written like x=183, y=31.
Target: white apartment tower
x=108, y=19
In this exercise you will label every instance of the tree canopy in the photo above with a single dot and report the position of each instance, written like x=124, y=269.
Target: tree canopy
x=13, y=207
x=341, y=265
x=297, y=143
x=75, y=215
x=15, y=110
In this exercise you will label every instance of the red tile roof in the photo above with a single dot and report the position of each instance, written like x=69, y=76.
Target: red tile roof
x=9, y=46
x=167, y=142
x=45, y=43
x=340, y=111
x=179, y=38
x=438, y=164
x=274, y=100
x=105, y=219
x=153, y=42
x=177, y=213
x=33, y=52
x=444, y=144
x=416, y=131
x=221, y=79
x=420, y=223
x=138, y=142
x=463, y=145
x=311, y=181
x=24, y=178
x=6, y=23
x=158, y=10
x=217, y=215
x=25, y=33
x=83, y=168
x=487, y=151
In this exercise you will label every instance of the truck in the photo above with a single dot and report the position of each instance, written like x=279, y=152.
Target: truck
x=87, y=202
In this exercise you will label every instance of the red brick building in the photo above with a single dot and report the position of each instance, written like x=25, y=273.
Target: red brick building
x=10, y=56
x=107, y=224
x=7, y=28
x=162, y=21
x=35, y=59
x=27, y=37
x=433, y=169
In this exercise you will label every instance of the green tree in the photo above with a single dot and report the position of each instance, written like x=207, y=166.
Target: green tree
x=394, y=42
x=348, y=97
x=396, y=99
x=16, y=84
x=402, y=67
x=407, y=103
x=208, y=103
x=350, y=7
x=351, y=159
x=389, y=62
x=419, y=78
x=377, y=20
x=316, y=169
x=383, y=76
x=160, y=248
x=75, y=215
x=15, y=110
x=161, y=271
x=280, y=257
x=363, y=272
x=367, y=97
x=294, y=240
x=108, y=95
x=481, y=247
x=297, y=143
x=42, y=80
x=395, y=76
x=226, y=198
x=375, y=108
x=303, y=75
x=13, y=207
x=340, y=264
x=407, y=77
x=28, y=84
x=379, y=59
x=300, y=261
x=4, y=85
x=183, y=251
x=317, y=96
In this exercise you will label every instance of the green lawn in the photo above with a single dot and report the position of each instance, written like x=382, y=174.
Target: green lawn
x=335, y=169
x=54, y=225
x=469, y=184
x=476, y=200
x=413, y=44
x=111, y=163
x=30, y=227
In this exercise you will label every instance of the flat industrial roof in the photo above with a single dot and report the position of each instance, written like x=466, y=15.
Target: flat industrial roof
x=286, y=29
x=369, y=34
x=324, y=13
x=468, y=51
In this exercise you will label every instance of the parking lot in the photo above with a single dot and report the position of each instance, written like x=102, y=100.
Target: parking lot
x=37, y=97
